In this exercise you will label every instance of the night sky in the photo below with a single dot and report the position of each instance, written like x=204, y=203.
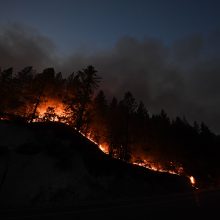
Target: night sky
x=166, y=52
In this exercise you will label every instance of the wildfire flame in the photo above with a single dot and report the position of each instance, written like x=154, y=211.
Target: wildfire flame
x=192, y=180
x=150, y=165
x=59, y=112
x=55, y=104
x=102, y=147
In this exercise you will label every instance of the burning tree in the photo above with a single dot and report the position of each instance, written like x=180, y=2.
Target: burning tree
x=50, y=115
x=123, y=128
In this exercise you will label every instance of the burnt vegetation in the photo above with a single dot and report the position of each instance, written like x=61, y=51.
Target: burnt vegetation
x=125, y=125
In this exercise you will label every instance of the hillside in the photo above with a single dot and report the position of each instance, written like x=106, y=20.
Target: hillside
x=45, y=164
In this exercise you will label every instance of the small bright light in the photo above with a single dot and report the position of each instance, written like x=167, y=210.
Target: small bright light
x=192, y=180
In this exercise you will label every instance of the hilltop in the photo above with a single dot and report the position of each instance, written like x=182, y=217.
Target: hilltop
x=50, y=163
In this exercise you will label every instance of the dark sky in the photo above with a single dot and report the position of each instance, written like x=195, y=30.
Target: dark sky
x=72, y=24
x=167, y=52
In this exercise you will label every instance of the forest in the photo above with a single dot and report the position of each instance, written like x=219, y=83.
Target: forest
x=123, y=126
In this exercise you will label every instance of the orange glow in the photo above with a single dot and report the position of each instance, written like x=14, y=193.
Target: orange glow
x=192, y=180
x=104, y=148
x=158, y=167
x=56, y=104
x=149, y=164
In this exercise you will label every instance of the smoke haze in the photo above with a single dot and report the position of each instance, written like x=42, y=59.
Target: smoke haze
x=182, y=78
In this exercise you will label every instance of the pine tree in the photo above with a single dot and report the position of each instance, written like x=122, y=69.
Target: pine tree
x=80, y=90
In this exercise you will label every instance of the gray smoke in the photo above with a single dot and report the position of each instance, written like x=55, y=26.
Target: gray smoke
x=21, y=46
x=182, y=78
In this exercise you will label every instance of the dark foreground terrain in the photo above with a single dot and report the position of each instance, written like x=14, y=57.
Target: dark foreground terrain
x=50, y=171
x=178, y=206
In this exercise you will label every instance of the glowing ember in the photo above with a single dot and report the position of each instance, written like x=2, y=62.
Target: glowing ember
x=159, y=168
x=192, y=180
x=104, y=148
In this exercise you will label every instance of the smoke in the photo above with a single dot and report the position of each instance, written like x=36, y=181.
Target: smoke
x=21, y=46
x=182, y=78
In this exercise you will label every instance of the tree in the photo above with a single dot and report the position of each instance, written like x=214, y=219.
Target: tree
x=6, y=85
x=113, y=127
x=127, y=107
x=89, y=82
x=196, y=127
x=142, y=112
x=24, y=89
x=43, y=86
x=98, y=124
x=128, y=104
x=80, y=90
x=141, y=128
x=205, y=131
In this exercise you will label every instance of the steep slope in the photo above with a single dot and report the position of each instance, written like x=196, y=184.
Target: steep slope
x=52, y=164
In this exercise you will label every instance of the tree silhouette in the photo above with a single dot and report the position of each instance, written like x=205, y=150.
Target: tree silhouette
x=98, y=124
x=127, y=109
x=24, y=89
x=113, y=120
x=81, y=89
x=125, y=126
x=6, y=85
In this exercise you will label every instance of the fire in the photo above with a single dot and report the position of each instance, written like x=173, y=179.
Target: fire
x=103, y=147
x=159, y=168
x=55, y=104
x=192, y=180
x=178, y=170
x=59, y=112
x=59, y=107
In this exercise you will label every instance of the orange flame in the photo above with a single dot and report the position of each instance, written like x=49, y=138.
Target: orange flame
x=192, y=180
x=56, y=104
x=152, y=166
x=59, y=110
x=103, y=147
